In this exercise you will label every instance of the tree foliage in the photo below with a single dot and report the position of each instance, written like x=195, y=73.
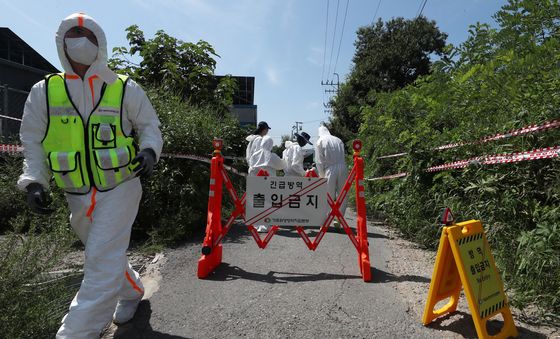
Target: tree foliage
x=388, y=56
x=499, y=79
x=175, y=198
x=176, y=66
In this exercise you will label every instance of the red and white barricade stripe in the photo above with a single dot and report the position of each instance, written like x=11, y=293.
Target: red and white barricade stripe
x=506, y=158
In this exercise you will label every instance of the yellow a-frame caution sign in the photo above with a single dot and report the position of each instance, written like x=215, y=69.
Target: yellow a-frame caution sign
x=464, y=260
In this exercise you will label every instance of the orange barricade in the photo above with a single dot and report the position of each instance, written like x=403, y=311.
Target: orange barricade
x=212, y=246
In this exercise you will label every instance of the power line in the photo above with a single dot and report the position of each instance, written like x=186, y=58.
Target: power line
x=334, y=35
x=325, y=49
x=341, y=35
x=422, y=8
x=375, y=14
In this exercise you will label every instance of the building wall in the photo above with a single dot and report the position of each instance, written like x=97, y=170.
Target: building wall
x=246, y=114
x=15, y=83
x=19, y=76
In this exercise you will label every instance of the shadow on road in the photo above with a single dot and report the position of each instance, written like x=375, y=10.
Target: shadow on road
x=312, y=231
x=380, y=276
x=462, y=323
x=139, y=327
x=226, y=272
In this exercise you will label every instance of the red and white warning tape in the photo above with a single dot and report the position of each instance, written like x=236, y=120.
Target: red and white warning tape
x=392, y=155
x=9, y=117
x=536, y=154
x=11, y=149
x=16, y=149
x=387, y=177
x=185, y=156
x=202, y=159
x=512, y=133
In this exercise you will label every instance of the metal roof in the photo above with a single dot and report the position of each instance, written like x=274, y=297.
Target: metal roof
x=14, y=49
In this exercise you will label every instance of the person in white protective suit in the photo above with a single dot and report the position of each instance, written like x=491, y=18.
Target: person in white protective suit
x=77, y=126
x=266, y=160
x=329, y=157
x=255, y=141
x=294, y=154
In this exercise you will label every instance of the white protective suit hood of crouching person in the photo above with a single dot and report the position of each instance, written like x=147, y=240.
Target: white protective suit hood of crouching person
x=102, y=219
x=265, y=159
x=293, y=156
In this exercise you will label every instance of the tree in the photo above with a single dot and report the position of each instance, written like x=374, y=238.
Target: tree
x=388, y=56
x=501, y=78
x=173, y=65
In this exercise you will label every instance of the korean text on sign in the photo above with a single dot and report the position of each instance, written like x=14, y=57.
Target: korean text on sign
x=292, y=201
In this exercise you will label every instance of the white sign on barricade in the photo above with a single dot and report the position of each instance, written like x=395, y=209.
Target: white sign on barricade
x=292, y=201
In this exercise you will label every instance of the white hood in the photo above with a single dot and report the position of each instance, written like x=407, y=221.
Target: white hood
x=252, y=137
x=288, y=143
x=254, y=145
x=323, y=131
x=99, y=66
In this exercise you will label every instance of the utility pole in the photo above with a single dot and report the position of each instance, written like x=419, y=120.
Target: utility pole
x=297, y=128
x=332, y=83
x=330, y=91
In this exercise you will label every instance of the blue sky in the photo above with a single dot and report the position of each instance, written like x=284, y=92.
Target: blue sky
x=279, y=42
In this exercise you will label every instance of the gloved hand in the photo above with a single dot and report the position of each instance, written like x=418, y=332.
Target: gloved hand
x=146, y=160
x=37, y=199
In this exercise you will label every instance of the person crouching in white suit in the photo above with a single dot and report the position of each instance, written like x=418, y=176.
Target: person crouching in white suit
x=294, y=154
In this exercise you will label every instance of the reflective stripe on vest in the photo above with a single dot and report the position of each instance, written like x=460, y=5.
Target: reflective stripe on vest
x=93, y=153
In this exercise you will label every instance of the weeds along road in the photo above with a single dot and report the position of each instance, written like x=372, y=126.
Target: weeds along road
x=284, y=291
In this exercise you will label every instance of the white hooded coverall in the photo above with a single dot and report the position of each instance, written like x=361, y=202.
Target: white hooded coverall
x=329, y=157
x=105, y=233
x=293, y=157
x=255, y=143
x=263, y=158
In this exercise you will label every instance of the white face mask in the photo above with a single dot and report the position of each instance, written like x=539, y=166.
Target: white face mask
x=81, y=50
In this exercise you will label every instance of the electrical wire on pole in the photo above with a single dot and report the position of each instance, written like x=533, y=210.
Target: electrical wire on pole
x=341, y=35
x=325, y=48
x=375, y=14
x=334, y=36
x=422, y=5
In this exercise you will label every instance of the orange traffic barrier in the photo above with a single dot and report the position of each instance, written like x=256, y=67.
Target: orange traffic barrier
x=212, y=247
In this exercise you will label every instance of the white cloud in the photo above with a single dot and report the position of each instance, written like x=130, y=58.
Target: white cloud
x=25, y=16
x=243, y=15
x=311, y=105
x=272, y=75
x=315, y=56
x=144, y=4
x=288, y=15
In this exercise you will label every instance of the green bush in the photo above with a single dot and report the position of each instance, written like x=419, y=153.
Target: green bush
x=31, y=301
x=15, y=216
x=499, y=79
x=175, y=198
x=30, y=247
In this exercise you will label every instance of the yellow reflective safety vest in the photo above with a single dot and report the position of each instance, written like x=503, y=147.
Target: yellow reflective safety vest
x=93, y=153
